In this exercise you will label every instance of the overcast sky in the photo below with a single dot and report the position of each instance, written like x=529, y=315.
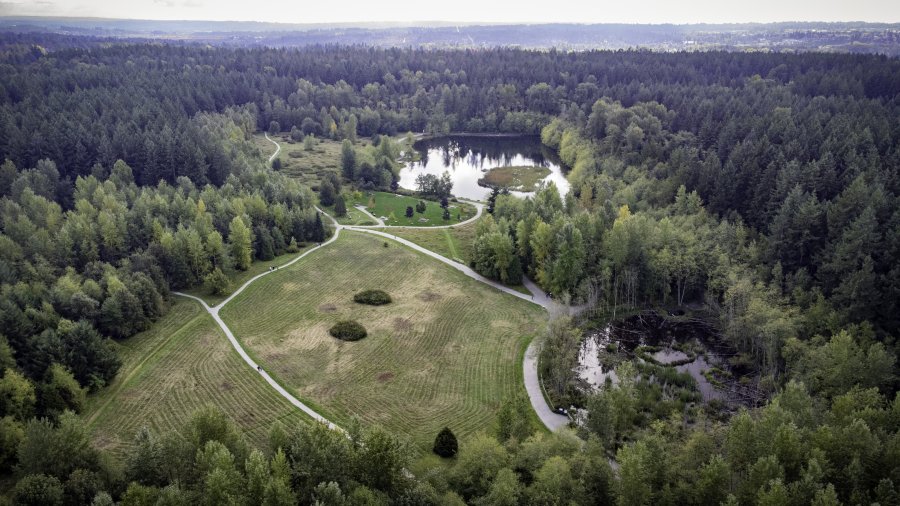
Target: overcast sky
x=508, y=11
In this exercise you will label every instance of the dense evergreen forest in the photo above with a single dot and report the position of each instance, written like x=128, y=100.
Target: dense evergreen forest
x=762, y=190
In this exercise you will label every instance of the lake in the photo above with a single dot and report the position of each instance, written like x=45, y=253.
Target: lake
x=467, y=158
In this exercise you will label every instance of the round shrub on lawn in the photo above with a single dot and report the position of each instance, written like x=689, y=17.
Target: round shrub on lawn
x=372, y=297
x=348, y=330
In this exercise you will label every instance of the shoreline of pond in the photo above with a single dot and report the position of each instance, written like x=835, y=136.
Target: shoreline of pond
x=468, y=157
x=689, y=345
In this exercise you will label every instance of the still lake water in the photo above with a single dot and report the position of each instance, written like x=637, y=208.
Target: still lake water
x=467, y=158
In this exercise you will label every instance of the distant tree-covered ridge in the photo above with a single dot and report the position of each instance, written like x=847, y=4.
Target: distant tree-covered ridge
x=136, y=101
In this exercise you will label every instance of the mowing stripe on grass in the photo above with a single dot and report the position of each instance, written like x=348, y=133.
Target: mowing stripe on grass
x=179, y=366
x=445, y=352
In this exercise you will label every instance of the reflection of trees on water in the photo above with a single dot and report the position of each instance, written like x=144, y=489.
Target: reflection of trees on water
x=482, y=152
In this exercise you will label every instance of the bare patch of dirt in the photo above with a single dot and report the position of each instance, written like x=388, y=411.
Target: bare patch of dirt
x=328, y=308
x=385, y=376
x=429, y=296
x=226, y=386
x=401, y=324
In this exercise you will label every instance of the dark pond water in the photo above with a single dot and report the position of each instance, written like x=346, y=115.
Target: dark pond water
x=467, y=158
x=644, y=330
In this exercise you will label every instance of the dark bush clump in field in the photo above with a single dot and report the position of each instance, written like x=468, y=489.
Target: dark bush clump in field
x=445, y=444
x=348, y=330
x=372, y=297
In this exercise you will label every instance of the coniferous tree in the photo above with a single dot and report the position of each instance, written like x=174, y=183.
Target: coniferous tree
x=445, y=444
x=340, y=208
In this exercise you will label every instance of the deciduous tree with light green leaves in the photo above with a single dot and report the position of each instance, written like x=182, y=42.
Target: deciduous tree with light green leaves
x=241, y=243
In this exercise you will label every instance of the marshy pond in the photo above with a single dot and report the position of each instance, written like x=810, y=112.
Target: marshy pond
x=468, y=158
x=684, y=344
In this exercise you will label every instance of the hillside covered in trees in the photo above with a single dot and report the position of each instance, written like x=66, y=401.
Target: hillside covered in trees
x=760, y=190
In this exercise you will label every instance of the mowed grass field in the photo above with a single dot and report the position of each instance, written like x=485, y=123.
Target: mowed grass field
x=353, y=217
x=183, y=363
x=238, y=278
x=454, y=243
x=393, y=207
x=447, y=352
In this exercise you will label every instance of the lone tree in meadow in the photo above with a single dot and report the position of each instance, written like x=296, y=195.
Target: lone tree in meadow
x=340, y=208
x=409, y=211
x=445, y=444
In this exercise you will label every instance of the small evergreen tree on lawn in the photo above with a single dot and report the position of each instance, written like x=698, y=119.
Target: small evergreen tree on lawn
x=446, y=214
x=445, y=444
x=420, y=207
x=340, y=207
x=409, y=211
x=318, y=233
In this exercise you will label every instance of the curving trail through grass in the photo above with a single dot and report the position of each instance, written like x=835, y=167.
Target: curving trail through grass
x=214, y=312
x=277, y=149
x=180, y=365
x=547, y=417
x=446, y=351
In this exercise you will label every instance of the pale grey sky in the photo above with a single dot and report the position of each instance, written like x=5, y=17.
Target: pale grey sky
x=509, y=11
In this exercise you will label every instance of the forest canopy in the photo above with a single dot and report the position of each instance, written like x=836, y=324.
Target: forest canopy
x=762, y=190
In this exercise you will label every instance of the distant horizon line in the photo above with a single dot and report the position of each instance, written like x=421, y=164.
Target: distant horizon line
x=442, y=23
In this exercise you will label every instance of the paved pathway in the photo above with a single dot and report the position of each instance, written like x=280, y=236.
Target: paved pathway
x=479, y=207
x=550, y=419
x=378, y=221
x=277, y=148
x=214, y=312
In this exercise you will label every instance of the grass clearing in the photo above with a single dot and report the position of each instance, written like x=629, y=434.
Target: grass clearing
x=392, y=207
x=308, y=167
x=238, y=278
x=184, y=362
x=518, y=178
x=353, y=217
x=454, y=243
x=446, y=352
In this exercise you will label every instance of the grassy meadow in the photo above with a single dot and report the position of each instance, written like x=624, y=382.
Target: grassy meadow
x=393, y=207
x=183, y=363
x=454, y=243
x=447, y=351
x=308, y=167
x=238, y=278
x=353, y=217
